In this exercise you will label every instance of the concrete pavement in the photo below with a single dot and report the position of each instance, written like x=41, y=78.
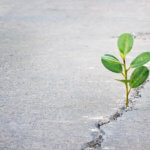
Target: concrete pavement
x=53, y=87
x=131, y=131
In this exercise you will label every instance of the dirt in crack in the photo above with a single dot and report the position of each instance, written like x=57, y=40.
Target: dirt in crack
x=95, y=144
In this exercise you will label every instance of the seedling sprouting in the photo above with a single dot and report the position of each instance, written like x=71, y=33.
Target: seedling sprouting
x=140, y=73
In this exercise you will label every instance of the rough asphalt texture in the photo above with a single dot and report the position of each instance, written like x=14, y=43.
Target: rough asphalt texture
x=53, y=87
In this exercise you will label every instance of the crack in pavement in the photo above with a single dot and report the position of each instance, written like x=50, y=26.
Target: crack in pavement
x=96, y=143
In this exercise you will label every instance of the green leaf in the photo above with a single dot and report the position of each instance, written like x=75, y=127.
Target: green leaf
x=111, y=63
x=138, y=76
x=140, y=60
x=125, y=43
x=111, y=59
x=123, y=81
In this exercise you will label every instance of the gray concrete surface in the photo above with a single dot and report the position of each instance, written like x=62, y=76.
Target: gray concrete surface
x=53, y=87
x=132, y=130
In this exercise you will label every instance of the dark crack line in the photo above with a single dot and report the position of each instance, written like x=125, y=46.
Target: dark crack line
x=97, y=141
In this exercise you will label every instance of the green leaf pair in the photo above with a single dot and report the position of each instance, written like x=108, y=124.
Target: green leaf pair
x=140, y=74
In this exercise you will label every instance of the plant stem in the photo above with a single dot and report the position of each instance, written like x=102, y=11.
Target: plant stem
x=126, y=83
x=129, y=91
x=128, y=69
x=123, y=75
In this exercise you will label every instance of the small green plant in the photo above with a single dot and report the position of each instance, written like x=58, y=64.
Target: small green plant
x=140, y=73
